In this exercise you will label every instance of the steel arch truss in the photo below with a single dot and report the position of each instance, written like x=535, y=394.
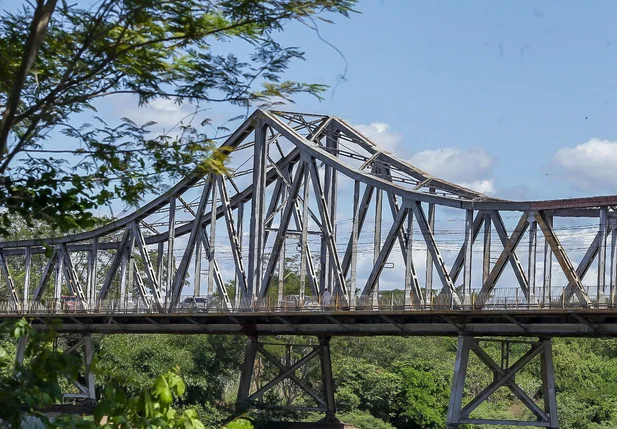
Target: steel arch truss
x=313, y=188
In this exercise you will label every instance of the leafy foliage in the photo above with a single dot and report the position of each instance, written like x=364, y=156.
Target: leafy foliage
x=61, y=58
x=37, y=382
x=364, y=420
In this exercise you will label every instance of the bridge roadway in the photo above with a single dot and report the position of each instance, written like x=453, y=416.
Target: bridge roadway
x=571, y=322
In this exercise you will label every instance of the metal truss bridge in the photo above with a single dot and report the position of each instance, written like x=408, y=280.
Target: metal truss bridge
x=317, y=231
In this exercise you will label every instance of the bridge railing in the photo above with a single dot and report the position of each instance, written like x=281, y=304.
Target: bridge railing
x=499, y=299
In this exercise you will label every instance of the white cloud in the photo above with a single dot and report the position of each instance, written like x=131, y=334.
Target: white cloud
x=166, y=113
x=471, y=168
x=380, y=134
x=455, y=164
x=588, y=166
x=484, y=186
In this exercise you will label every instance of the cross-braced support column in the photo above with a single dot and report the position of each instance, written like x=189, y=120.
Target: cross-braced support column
x=85, y=385
x=503, y=375
x=83, y=389
x=288, y=369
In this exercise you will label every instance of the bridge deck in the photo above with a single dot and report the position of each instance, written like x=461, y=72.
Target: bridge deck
x=533, y=323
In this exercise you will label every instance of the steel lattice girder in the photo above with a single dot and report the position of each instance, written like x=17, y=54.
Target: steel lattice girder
x=289, y=152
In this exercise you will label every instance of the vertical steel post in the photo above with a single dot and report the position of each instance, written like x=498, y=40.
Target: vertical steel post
x=123, y=272
x=159, y=265
x=329, y=189
x=212, y=247
x=468, y=257
x=613, y=264
x=170, y=250
x=354, y=243
x=197, y=281
x=256, y=244
x=240, y=227
x=304, y=235
x=548, y=268
x=601, y=293
x=531, y=266
x=131, y=270
x=281, y=276
x=93, y=270
x=409, y=273
x=377, y=240
x=486, y=257
x=58, y=284
x=28, y=264
x=428, y=293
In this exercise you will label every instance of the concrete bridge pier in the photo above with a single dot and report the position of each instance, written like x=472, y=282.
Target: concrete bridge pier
x=251, y=397
x=503, y=376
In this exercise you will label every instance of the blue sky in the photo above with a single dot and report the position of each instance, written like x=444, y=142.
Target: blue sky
x=515, y=81
x=517, y=99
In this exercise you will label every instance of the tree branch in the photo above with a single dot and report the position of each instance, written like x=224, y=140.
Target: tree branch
x=38, y=28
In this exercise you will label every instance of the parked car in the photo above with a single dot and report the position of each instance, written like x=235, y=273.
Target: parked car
x=199, y=303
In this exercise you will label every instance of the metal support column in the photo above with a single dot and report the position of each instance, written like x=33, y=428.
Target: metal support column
x=93, y=257
x=410, y=274
x=613, y=264
x=531, y=266
x=327, y=380
x=601, y=292
x=28, y=264
x=468, y=257
x=548, y=382
x=239, y=229
x=458, y=382
x=246, y=375
x=377, y=242
x=428, y=293
x=170, y=251
x=486, y=257
x=292, y=369
x=21, y=350
x=304, y=236
x=548, y=269
x=503, y=375
x=354, y=244
x=88, y=355
x=212, y=248
x=330, y=186
x=58, y=284
x=281, y=277
x=256, y=234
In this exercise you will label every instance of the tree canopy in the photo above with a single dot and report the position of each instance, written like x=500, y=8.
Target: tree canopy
x=59, y=58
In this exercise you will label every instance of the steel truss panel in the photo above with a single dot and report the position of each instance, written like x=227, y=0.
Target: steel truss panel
x=322, y=153
x=324, y=401
x=503, y=375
